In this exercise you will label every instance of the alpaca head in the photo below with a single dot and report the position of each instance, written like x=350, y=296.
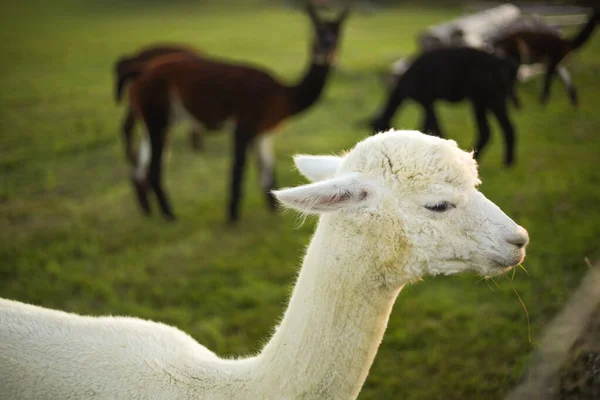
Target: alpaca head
x=416, y=196
x=327, y=34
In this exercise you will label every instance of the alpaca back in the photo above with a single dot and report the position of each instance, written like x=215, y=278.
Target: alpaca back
x=47, y=354
x=454, y=74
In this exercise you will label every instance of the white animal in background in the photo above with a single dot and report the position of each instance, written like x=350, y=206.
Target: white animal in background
x=399, y=206
x=470, y=30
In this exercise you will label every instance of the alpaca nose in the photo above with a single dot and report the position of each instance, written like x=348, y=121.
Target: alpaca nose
x=520, y=239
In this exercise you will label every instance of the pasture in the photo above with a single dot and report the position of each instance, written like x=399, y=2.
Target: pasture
x=72, y=237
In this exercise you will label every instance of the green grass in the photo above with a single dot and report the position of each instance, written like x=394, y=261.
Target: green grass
x=71, y=236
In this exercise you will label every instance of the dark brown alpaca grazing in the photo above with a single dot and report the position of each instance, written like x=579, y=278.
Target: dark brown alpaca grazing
x=211, y=92
x=127, y=66
x=547, y=47
x=455, y=74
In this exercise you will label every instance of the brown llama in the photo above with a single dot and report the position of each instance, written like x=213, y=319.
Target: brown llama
x=211, y=92
x=528, y=46
x=126, y=66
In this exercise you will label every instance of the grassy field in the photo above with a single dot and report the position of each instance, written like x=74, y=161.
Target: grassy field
x=71, y=236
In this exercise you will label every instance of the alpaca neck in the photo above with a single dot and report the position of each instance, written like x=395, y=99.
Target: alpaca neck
x=334, y=323
x=306, y=92
x=585, y=33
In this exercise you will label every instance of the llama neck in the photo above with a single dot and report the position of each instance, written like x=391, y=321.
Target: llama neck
x=306, y=92
x=585, y=33
x=334, y=323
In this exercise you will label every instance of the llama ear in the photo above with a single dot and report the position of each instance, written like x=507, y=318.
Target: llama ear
x=341, y=193
x=344, y=14
x=317, y=168
x=312, y=13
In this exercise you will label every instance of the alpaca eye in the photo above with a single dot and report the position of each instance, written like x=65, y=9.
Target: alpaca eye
x=440, y=207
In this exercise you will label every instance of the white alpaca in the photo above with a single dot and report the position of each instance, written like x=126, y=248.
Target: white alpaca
x=399, y=206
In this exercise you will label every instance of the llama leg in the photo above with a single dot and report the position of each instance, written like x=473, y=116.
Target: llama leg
x=381, y=122
x=196, y=139
x=139, y=176
x=156, y=119
x=565, y=77
x=241, y=141
x=484, y=128
x=512, y=95
x=509, y=133
x=431, y=125
x=155, y=174
x=550, y=71
x=128, y=126
x=266, y=165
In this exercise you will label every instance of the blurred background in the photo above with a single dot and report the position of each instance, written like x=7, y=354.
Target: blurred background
x=72, y=237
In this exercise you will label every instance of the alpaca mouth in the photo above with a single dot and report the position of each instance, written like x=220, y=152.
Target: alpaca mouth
x=497, y=271
x=504, y=270
x=503, y=266
x=509, y=261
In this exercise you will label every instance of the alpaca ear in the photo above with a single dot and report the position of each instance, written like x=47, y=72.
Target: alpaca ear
x=350, y=191
x=317, y=168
